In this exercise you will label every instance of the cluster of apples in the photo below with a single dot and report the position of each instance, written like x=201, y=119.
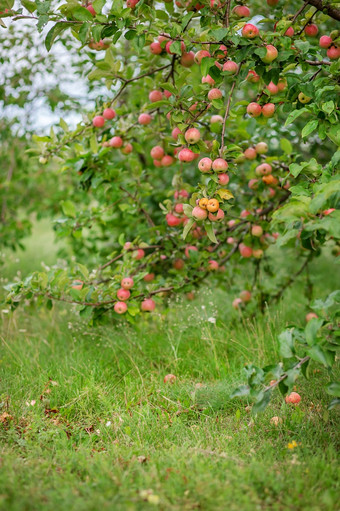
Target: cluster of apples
x=123, y=294
x=243, y=299
x=208, y=208
x=333, y=49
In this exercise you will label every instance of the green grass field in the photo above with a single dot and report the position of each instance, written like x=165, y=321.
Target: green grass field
x=92, y=426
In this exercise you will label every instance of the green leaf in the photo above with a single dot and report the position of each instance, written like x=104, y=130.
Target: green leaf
x=325, y=357
x=242, y=390
x=309, y=128
x=328, y=107
x=210, y=232
x=294, y=115
x=30, y=6
x=68, y=208
x=312, y=328
x=81, y=14
x=335, y=402
x=286, y=342
x=187, y=227
x=57, y=29
x=262, y=402
x=286, y=146
x=333, y=388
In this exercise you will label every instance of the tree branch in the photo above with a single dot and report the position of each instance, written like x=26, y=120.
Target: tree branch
x=333, y=12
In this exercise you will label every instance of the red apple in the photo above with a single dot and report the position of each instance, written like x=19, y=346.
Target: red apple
x=120, y=307
x=148, y=305
x=109, y=114
x=98, y=121
x=250, y=31
x=254, y=109
x=293, y=398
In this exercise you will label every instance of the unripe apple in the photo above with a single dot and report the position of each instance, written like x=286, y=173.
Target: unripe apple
x=311, y=30
x=333, y=52
x=178, y=264
x=220, y=165
x=214, y=94
x=250, y=31
x=144, y=119
x=90, y=8
x=138, y=254
x=261, y=148
x=236, y=303
x=325, y=41
x=77, y=284
x=168, y=47
x=98, y=121
x=169, y=378
x=257, y=253
x=148, y=305
x=116, y=142
x=172, y=220
x=188, y=59
x=175, y=132
x=156, y=48
x=203, y=203
x=155, y=95
x=199, y=213
x=230, y=67
x=245, y=251
x=213, y=265
x=245, y=296
x=271, y=54
x=293, y=398
x=120, y=307
x=241, y=11
x=303, y=98
x=272, y=88
x=127, y=149
x=192, y=135
x=253, y=184
x=254, y=109
x=200, y=55
x=157, y=152
x=257, y=230
x=252, y=77
x=126, y=283
x=186, y=155
x=263, y=170
x=223, y=179
x=213, y=205
x=109, y=114
x=268, y=110
x=216, y=217
x=310, y=316
x=123, y=294
x=204, y=165
x=190, y=248
x=250, y=153
x=208, y=79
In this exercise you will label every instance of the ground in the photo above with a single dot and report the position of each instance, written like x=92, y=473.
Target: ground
x=88, y=424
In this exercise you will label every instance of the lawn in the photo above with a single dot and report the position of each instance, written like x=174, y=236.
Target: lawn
x=88, y=424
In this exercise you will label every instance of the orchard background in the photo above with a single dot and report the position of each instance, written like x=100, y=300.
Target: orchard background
x=187, y=156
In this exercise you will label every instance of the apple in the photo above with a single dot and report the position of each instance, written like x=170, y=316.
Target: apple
x=90, y=8
x=127, y=246
x=282, y=84
x=156, y=48
x=199, y=213
x=254, y=109
x=256, y=230
x=245, y=296
x=172, y=220
x=181, y=193
x=98, y=121
x=250, y=153
x=144, y=119
x=293, y=398
x=253, y=184
x=123, y=294
x=271, y=54
x=208, y=79
x=236, y=303
x=245, y=251
x=204, y=165
x=120, y=307
x=333, y=52
x=109, y=114
x=214, y=94
x=188, y=59
x=127, y=149
x=126, y=283
x=170, y=378
x=168, y=47
x=272, y=88
x=218, y=217
x=200, y=55
x=250, y=31
x=138, y=254
x=192, y=135
x=220, y=165
x=116, y=142
x=328, y=211
x=157, y=152
x=175, y=132
x=190, y=248
x=155, y=95
x=270, y=180
x=186, y=155
x=178, y=264
x=149, y=277
x=242, y=11
x=263, y=170
x=303, y=98
x=230, y=67
x=325, y=41
x=311, y=30
x=261, y=148
x=203, y=203
x=252, y=77
x=268, y=110
x=179, y=208
x=190, y=295
x=148, y=305
x=167, y=160
x=213, y=205
x=310, y=316
x=257, y=253
x=216, y=118
x=223, y=179
x=213, y=265
x=244, y=213
x=131, y=3
x=230, y=240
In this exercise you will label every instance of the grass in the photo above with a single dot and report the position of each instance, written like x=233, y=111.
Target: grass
x=92, y=426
